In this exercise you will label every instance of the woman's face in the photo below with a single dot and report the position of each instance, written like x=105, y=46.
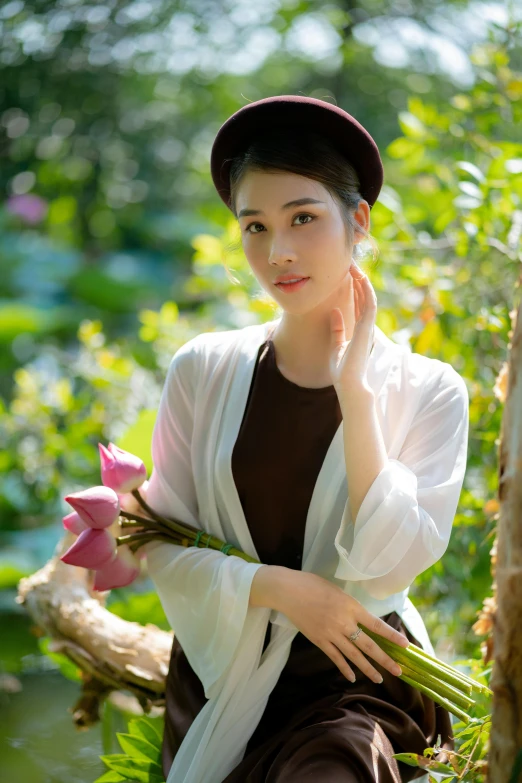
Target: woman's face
x=306, y=239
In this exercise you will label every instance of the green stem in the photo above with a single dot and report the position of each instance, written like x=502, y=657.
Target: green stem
x=438, y=686
x=437, y=698
x=143, y=538
x=207, y=541
x=180, y=527
x=469, y=680
x=423, y=667
x=144, y=522
x=427, y=664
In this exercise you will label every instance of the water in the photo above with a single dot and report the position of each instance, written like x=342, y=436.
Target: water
x=39, y=742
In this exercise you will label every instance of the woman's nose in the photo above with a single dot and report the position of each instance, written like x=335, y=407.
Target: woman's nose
x=281, y=253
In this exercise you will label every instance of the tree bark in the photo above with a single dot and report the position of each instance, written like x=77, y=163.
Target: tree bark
x=506, y=678
x=113, y=655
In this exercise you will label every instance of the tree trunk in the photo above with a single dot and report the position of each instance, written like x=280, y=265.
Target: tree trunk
x=113, y=655
x=506, y=678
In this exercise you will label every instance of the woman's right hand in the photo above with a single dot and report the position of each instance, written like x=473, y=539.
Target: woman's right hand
x=323, y=613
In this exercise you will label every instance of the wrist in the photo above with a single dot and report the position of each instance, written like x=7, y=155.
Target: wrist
x=359, y=396
x=268, y=586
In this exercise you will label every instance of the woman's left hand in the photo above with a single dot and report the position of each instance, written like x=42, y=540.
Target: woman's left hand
x=349, y=358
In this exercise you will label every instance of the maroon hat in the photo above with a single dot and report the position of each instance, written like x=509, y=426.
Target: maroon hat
x=347, y=135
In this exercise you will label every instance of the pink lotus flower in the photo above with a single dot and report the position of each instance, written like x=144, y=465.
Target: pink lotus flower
x=121, y=470
x=119, y=572
x=99, y=506
x=92, y=549
x=74, y=523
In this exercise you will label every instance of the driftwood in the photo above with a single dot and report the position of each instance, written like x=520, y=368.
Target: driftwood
x=505, y=610
x=113, y=655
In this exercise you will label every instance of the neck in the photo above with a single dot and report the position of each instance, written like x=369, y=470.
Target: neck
x=302, y=348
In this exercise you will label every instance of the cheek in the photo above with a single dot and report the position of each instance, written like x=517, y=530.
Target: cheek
x=254, y=252
x=325, y=232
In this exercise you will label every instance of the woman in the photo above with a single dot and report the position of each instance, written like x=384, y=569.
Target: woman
x=324, y=450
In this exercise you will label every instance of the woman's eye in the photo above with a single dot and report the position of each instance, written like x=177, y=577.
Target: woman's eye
x=302, y=215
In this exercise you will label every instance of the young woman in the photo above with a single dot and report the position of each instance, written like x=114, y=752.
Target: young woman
x=325, y=450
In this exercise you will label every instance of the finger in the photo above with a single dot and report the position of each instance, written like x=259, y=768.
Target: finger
x=359, y=299
x=362, y=337
x=369, y=647
x=340, y=661
x=356, y=270
x=351, y=651
x=370, y=299
x=355, y=304
x=377, y=625
x=337, y=328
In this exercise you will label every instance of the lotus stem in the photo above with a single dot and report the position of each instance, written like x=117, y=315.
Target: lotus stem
x=437, y=698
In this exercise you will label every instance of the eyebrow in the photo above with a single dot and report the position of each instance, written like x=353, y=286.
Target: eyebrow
x=298, y=202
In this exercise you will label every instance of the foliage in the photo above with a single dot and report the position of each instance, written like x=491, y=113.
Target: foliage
x=141, y=757
x=467, y=764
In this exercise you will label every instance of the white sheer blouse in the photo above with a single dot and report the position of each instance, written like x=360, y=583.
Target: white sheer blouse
x=402, y=527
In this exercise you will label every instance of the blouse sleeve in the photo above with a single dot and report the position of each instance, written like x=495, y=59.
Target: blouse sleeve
x=204, y=593
x=404, y=523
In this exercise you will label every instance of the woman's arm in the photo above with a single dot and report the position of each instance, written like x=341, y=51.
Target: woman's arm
x=364, y=449
x=404, y=522
x=326, y=616
x=268, y=586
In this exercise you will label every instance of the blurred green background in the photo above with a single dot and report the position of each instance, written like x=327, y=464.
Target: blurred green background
x=113, y=248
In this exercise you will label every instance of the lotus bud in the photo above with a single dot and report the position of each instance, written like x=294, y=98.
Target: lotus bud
x=121, y=470
x=92, y=549
x=129, y=503
x=119, y=572
x=99, y=506
x=74, y=523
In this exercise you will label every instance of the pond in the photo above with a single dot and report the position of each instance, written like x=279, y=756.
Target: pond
x=38, y=740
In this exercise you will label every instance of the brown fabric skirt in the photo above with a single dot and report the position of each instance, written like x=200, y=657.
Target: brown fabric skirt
x=317, y=726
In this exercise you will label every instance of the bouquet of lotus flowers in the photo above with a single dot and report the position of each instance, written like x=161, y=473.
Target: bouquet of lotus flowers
x=110, y=535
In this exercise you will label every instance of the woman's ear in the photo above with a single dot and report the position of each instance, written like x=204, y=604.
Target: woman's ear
x=362, y=217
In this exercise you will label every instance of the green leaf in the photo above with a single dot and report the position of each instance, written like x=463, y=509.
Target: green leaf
x=137, y=747
x=109, y=777
x=412, y=759
x=141, y=727
x=137, y=770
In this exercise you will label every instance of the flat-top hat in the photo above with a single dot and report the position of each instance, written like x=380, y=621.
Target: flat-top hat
x=349, y=137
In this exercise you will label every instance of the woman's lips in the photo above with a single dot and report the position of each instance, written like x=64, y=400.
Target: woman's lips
x=289, y=287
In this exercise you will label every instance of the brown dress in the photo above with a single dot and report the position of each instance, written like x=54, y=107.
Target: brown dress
x=317, y=726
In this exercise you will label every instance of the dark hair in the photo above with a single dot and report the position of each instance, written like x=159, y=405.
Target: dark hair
x=310, y=155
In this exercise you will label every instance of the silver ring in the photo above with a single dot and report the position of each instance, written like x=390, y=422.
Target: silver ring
x=353, y=636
